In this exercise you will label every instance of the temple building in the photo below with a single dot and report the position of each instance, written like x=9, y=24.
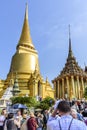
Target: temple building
x=25, y=64
x=1, y=85
x=72, y=80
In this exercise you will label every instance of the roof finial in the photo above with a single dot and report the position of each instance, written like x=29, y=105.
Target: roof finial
x=26, y=11
x=69, y=39
x=70, y=48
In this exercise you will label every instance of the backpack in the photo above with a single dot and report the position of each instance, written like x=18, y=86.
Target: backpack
x=10, y=125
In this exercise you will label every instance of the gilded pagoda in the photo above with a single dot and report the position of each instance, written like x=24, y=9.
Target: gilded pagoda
x=25, y=64
x=72, y=80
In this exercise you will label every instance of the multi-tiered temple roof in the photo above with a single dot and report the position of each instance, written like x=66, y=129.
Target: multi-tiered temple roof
x=71, y=66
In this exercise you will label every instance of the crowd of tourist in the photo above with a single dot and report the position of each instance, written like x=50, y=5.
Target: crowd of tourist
x=64, y=115
x=23, y=121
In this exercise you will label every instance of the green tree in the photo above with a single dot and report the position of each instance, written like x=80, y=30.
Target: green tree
x=85, y=93
x=29, y=101
x=46, y=103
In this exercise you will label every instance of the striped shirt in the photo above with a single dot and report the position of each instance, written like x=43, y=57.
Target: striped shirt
x=65, y=120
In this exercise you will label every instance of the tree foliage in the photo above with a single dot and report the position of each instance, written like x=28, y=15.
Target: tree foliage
x=85, y=93
x=29, y=101
x=46, y=103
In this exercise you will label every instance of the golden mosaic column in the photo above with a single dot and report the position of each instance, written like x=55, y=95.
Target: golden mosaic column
x=78, y=86
x=82, y=86
x=63, y=88
x=58, y=89
x=55, y=88
x=67, y=87
x=73, y=87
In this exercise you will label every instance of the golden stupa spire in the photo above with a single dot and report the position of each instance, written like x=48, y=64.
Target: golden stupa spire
x=25, y=38
x=26, y=11
x=70, y=54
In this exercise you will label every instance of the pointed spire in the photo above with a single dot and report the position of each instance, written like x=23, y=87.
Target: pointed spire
x=26, y=12
x=25, y=38
x=69, y=39
x=70, y=54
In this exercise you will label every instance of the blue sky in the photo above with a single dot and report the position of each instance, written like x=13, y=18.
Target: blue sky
x=48, y=20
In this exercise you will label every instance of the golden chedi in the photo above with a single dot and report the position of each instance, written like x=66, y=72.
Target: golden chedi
x=26, y=65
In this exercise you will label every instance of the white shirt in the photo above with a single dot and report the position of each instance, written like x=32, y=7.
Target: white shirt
x=65, y=122
x=2, y=118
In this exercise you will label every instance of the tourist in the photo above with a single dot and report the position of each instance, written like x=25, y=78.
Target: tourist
x=66, y=121
x=73, y=113
x=75, y=105
x=10, y=124
x=2, y=119
x=19, y=114
x=76, y=115
x=17, y=122
x=39, y=119
x=24, y=121
x=18, y=119
x=32, y=123
x=45, y=118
